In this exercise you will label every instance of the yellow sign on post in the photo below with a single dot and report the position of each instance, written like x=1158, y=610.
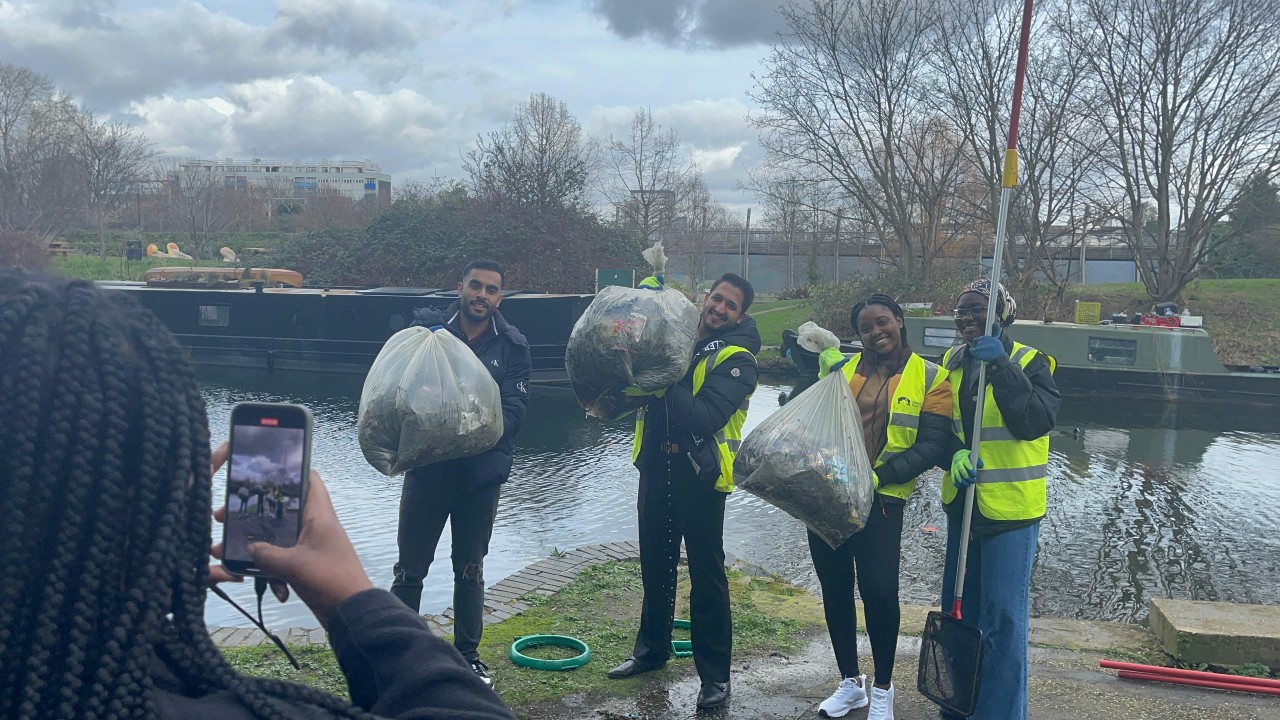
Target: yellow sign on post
x=1088, y=313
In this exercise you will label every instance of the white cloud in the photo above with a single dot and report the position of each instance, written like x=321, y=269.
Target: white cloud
x=717, y=159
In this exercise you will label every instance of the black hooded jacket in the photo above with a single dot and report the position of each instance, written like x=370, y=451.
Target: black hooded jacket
x=506, y=355
x=690, y=421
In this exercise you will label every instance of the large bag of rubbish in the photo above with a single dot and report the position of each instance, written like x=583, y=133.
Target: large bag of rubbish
x=809, y=460
x=426, y=399
x=630, y=337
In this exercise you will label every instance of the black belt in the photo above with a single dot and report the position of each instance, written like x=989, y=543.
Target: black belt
x=671, y=448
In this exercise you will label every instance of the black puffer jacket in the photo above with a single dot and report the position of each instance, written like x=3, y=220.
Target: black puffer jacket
x=506, y=355
x=690, y=421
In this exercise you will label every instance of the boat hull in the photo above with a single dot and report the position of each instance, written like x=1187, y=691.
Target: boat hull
x=334, y=331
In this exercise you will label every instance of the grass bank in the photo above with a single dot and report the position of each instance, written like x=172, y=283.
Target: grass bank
x=602, y=608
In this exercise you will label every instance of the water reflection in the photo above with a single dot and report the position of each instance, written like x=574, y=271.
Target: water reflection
x=1144, y=501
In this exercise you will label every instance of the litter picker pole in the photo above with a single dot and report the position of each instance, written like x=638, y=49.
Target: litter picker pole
x=1009, y=180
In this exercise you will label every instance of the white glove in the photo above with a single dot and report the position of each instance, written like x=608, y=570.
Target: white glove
x=815, y=338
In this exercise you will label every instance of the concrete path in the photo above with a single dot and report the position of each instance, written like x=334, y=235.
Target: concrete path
x=1064, y=685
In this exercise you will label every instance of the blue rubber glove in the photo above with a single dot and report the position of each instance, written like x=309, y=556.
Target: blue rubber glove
x=653, y=282
x=988, y=348
x=830, y=360
x=963, y=473
x=435, y=328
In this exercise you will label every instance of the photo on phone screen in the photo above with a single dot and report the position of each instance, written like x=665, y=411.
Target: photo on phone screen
x=266, y=476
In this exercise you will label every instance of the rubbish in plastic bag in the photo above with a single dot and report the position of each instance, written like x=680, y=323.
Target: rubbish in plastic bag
x=809, y=460
x=629, y=337
x=427, y=398
x=813, y=337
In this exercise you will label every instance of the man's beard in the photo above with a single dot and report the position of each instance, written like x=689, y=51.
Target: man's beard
x=469, y=313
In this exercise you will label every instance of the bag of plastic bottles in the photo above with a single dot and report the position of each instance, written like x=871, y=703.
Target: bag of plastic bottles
x=427, y=398
x=809, y=460
x=630, y=336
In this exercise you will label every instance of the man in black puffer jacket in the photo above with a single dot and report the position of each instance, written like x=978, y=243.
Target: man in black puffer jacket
x=686, y=439
x=465, y=489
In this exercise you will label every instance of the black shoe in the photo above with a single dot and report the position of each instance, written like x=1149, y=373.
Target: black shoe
x=482, y=671
x=632, y=667
x=713, y=695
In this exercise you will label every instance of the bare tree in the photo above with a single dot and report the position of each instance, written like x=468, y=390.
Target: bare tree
x=114, y=160
x=40, y=186
x=649, y=176
x=1190, y=108
x=703, y=215
x=974, y=69
x=200, y=203
x=845, y=95
x=328, y=207
x=539, y=159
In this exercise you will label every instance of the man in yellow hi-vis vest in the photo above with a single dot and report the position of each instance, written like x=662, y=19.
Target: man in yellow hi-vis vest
x=1020, y=407
x=686, y=439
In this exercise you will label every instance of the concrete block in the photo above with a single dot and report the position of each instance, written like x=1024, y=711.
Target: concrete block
x=1217, y=633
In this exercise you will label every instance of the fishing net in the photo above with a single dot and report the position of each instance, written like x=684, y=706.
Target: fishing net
x=808, y=459
x=427, y=398
x=950, y=663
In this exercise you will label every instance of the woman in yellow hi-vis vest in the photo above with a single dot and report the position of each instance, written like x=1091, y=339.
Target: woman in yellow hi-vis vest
x=905, y=406
x=1019, y=409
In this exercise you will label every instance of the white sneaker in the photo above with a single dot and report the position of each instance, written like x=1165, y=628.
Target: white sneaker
x=848, y=696
x=881, y=704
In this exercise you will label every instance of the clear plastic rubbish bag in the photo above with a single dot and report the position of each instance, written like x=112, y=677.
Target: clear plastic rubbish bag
x=628, y=336
x=808, y=459
x=427, y=398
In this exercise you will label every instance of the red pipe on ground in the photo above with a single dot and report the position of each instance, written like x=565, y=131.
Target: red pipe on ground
x=1190, y=674
x=1237, y=687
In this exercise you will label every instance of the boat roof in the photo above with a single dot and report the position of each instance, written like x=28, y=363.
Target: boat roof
x=169, y=274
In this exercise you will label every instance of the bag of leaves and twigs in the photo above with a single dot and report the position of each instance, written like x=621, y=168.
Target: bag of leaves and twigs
x=427, y=399
x=809, y=460
x=630, y=336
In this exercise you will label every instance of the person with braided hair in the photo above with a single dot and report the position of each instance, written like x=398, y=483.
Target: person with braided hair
x=1019, y=407
x=106, y=471
x=904, y=403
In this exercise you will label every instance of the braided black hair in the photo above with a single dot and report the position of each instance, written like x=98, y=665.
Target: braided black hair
x=104, y=472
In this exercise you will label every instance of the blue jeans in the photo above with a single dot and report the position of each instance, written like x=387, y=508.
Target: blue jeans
x=997, y=598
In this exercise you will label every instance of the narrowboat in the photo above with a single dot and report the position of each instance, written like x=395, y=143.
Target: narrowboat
x=260, y=320
x=1171, y=364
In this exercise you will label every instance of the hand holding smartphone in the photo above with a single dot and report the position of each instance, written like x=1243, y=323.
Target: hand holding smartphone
x=267, y=480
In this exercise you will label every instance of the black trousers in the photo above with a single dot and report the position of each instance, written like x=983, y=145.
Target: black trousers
x=870, y=559
x=673, y=504
x=429, y=498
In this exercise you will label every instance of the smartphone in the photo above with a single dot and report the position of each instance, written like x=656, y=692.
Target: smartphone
x=267, y=479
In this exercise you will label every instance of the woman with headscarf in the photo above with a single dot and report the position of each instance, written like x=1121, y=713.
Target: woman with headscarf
x=905, y=406
x=1020, y=407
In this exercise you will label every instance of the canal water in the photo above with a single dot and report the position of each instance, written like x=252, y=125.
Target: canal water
x=1144, y=502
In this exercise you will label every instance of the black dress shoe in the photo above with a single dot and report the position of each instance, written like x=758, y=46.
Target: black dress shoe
x=713, y=695
x=631, y=667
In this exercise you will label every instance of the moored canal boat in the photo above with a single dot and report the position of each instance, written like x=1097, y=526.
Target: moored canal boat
x=1172, y=364
x=331, y=330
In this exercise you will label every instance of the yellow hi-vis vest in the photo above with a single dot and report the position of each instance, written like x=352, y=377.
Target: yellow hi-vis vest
x=1011, y=484
x=729, y=438
x=919, y=376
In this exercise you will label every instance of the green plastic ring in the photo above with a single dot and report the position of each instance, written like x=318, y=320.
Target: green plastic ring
x=681, y=648
x=559, y=640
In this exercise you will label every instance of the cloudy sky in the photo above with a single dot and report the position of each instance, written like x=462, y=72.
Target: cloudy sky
x=405, y=84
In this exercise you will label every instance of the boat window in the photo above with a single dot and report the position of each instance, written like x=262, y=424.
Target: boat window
x=1111, y=351
x=215, y=315
x=940, y=337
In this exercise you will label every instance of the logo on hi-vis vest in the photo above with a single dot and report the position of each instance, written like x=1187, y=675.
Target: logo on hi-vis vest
x=908, y=402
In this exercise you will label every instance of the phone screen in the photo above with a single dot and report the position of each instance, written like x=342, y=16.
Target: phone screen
x=266, y=475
